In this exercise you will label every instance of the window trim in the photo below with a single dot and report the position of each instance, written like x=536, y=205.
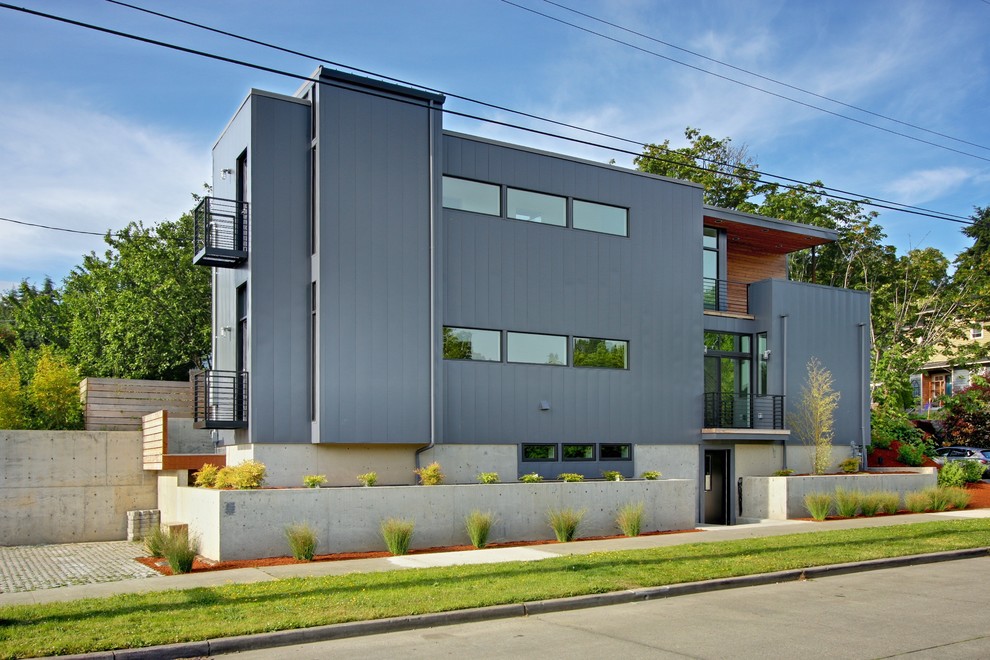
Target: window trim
x=594, y=452
x=596, y=231
x=566, y=357
x=525, y=445
x=602, y=458
x=501, y=344
x=573, y=351
x=567, y=214
x=501, y=196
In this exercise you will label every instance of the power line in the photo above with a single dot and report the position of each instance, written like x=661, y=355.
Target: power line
x=745, y=84
x=894, y=206
x=65, y=229
x=500, y=107
x=762, y=77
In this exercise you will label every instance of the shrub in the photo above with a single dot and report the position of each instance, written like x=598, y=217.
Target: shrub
x=12, y=397
x=630, y=518
x=880, y=441
x=397, y=534
x=953, y=473
x=890, y=501
x=488, y=478
x=850, y=465
x=783, y=473
x=368, y=479
x=916, y=502
x=889, y=426
x=570, y=476
x=531, y=478
x=819, y=505
x=938, y=498
x=302, y=540
x=612, y=475
x=206, y=476
x=431, y=475
x=244, y=476
x=565, y=523
x=870, y=503
x=314, y=480
x=911, y=454
x=847, y=502
x=478, y=525
x=973, y=470
x=154, y=542
x=967, y=414
x=53, y=393
x=958, y=498
x=180, y=550
x=651, y=475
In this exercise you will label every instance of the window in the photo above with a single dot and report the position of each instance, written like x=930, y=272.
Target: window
x=472, y=196
x=312, y=353
x=615, y=452
x=536, y=349
x=762, y=370
x=469, y=344
x=601, y=218
x=976, y=332
x=607, y=353
x=539, y=452
x=710, y=268
x=582, y=452
x=536, y=207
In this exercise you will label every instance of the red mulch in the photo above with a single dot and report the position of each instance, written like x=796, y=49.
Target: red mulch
x=201, y=565
x=888, y=458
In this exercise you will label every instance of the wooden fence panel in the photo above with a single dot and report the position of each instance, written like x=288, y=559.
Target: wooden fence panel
x=113, y=404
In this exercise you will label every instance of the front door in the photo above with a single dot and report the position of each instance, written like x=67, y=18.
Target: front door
x=715, y=485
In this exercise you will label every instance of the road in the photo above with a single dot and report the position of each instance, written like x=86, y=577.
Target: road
x=932, y=611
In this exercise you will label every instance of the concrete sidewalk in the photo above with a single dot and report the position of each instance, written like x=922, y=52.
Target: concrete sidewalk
x=106, y=569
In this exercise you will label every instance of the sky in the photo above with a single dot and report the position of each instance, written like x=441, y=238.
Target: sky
x=97, y=131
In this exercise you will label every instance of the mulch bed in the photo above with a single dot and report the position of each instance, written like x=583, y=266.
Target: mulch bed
x=887, y=458
x=201, y=565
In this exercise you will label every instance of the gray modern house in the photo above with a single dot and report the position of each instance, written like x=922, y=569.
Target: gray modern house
x=387, y=293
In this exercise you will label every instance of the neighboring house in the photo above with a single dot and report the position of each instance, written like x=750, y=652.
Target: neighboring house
x=939, y=377
x=387, y=293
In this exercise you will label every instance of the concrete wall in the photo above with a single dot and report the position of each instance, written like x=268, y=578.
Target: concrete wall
x=672, y=461
x=779, y=498
x=71, y=486
x=462, y=463
x=287, y=464
x=249, y=524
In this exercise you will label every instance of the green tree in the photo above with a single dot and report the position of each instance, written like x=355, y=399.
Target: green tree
x=34, y=315
x=814, y=419
x=53, y=393
x=12, y=398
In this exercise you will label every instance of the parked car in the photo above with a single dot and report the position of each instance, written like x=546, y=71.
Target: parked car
x=943, y=454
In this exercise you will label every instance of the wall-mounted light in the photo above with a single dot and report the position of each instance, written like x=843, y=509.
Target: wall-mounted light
x=225, y=172
x=224, y=332
x=766, y=354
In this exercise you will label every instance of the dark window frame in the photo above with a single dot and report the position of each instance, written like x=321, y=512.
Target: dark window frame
x=501, y=196
x=505, y=206
x=573, y=352
x=582, y=459
x=601, y=446
x=556, y=452
x=597, y=203
x=501, y=344
x=567, y=348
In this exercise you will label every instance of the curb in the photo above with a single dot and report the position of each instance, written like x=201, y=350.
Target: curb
x=377, y=626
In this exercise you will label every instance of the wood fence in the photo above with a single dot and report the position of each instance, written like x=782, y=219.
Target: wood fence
x=113, y=404
x=154, y=434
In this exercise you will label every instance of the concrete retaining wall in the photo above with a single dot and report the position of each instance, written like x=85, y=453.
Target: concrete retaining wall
x=71, y=486
x=780, y=498
x=249, y=524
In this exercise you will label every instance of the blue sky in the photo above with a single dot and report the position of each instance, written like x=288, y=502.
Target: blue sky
x=96, y=131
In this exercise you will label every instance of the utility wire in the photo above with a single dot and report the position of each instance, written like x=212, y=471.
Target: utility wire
x=745, y=84
x=65, y=229
x=762, y=77
x=637, y=143
x=866, y=202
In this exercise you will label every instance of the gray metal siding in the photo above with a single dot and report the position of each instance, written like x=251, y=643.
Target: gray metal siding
x=514, y=275
x=374, y=269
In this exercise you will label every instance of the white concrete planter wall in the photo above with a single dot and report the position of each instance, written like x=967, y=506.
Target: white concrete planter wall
x=249, y=524
x=780, y=498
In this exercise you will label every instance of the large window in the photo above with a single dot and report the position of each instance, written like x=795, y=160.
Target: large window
x=607, y=353
x=470, y=344
x=536, y=207
x=536, y=349
x=601, y=218
x=472, y=196
x=710, y=269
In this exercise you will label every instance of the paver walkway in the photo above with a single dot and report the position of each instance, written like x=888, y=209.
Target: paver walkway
x=26, y=568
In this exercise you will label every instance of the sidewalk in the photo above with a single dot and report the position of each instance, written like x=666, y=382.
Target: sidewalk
x=105, y=569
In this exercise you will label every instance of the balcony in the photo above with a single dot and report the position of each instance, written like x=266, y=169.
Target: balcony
x=220, y=233
x=220, y=399
x=725, y=296
x=727, y=410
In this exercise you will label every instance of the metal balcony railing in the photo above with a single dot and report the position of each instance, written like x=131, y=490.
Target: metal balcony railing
x=728, y=410
x=725, y=296
x=220, y=232
x=220, y=399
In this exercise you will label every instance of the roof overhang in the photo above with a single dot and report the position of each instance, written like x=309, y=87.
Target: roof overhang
x=768, y=235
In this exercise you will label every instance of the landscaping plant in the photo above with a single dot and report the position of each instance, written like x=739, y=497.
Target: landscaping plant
x=916, y=502
x=314, y=480
x=570, y=476
x=478, y=525
x=565, y=523
x=630, y=518
x=154, y=542
x=959, y=498
x=243, y=476
x=847, y=502
x=967, y=414
x=938, y=498
x=972, y=470
x=890, y=501
x=368, y=479
x=488, y=478
x=206, y=476
x=531, y=478
x=953, y=473
x=786, y=472
x=431, y=475
x=850, y=465
x=611, y=475
x=651, y=475
x=870, y=503
x=397, y=533
x=814, y=419
x=180, y=550
x=302, y=540
x=819, y=505
x=911, y=454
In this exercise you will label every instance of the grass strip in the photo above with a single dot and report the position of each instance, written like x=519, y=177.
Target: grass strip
x=136, y=620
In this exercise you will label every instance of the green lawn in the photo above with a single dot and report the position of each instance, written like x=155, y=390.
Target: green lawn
x=197, y=614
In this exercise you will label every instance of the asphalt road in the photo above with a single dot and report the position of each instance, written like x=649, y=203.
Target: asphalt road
x=931, y=611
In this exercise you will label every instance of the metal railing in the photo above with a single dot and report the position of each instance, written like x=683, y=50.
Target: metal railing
x=220, y=232
x=726, y=296
x=728, y=410
x=220, y=399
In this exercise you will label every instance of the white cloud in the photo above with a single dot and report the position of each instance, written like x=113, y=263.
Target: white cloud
x=924, y=185
x=69, y=164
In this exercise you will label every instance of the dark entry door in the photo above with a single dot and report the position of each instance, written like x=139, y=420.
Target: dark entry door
x=715, y=485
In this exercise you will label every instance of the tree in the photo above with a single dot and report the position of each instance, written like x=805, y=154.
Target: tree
x=967, y=415
x=12, y=397
x=814, y=419
x=34, y=316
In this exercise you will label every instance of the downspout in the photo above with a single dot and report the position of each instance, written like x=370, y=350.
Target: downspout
x=863, y=400
x=433, y=322
x=783, y=375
